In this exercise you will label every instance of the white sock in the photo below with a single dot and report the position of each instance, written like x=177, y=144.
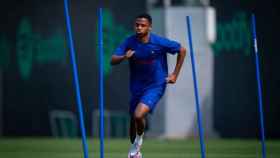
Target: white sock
x=139, y=139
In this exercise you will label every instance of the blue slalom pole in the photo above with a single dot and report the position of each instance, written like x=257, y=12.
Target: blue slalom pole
x=76, y=79
x=201, y=138
x=254, y=35
x=101, y=84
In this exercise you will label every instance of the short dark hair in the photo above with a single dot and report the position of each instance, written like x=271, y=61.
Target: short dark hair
x=146, y=16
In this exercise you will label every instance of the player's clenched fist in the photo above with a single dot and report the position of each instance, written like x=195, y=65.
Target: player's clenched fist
x=129, y=54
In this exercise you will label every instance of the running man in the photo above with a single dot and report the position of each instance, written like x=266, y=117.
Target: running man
x=147, y=56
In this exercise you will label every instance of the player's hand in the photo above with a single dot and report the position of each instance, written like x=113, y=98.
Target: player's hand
x=171, y=78
x=129, y=54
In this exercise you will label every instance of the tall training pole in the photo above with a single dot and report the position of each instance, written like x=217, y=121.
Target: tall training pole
x=254, y=36
x=101, y=84
x=76, y=79
x=201, y=137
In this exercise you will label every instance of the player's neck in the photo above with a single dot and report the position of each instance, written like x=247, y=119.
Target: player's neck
x=145, y=38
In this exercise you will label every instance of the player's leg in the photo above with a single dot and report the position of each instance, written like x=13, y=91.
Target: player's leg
x=139, y=116
x=139, y=122
x=132, y=129
x=133, y=151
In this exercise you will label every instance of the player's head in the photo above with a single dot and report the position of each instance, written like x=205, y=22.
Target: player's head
x=143, y=24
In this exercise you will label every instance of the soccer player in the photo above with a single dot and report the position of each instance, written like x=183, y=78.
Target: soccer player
x=147, y=56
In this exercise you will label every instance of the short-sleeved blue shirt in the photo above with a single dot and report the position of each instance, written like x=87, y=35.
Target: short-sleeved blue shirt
x=148, y=65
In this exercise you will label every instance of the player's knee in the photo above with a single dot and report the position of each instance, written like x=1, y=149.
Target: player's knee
x=138, y=116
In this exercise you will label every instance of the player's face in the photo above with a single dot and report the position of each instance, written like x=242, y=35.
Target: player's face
x=142, y=26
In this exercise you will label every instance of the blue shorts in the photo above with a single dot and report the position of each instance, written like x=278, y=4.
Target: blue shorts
x=149, y=97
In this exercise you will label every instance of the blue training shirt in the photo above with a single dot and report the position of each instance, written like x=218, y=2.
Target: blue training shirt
x=148, y=65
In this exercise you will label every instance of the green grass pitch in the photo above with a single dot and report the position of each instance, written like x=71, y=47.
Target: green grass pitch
x=117, y=148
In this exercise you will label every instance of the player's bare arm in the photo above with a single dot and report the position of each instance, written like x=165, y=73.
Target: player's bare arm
x=118, y=59
x=180, y=60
